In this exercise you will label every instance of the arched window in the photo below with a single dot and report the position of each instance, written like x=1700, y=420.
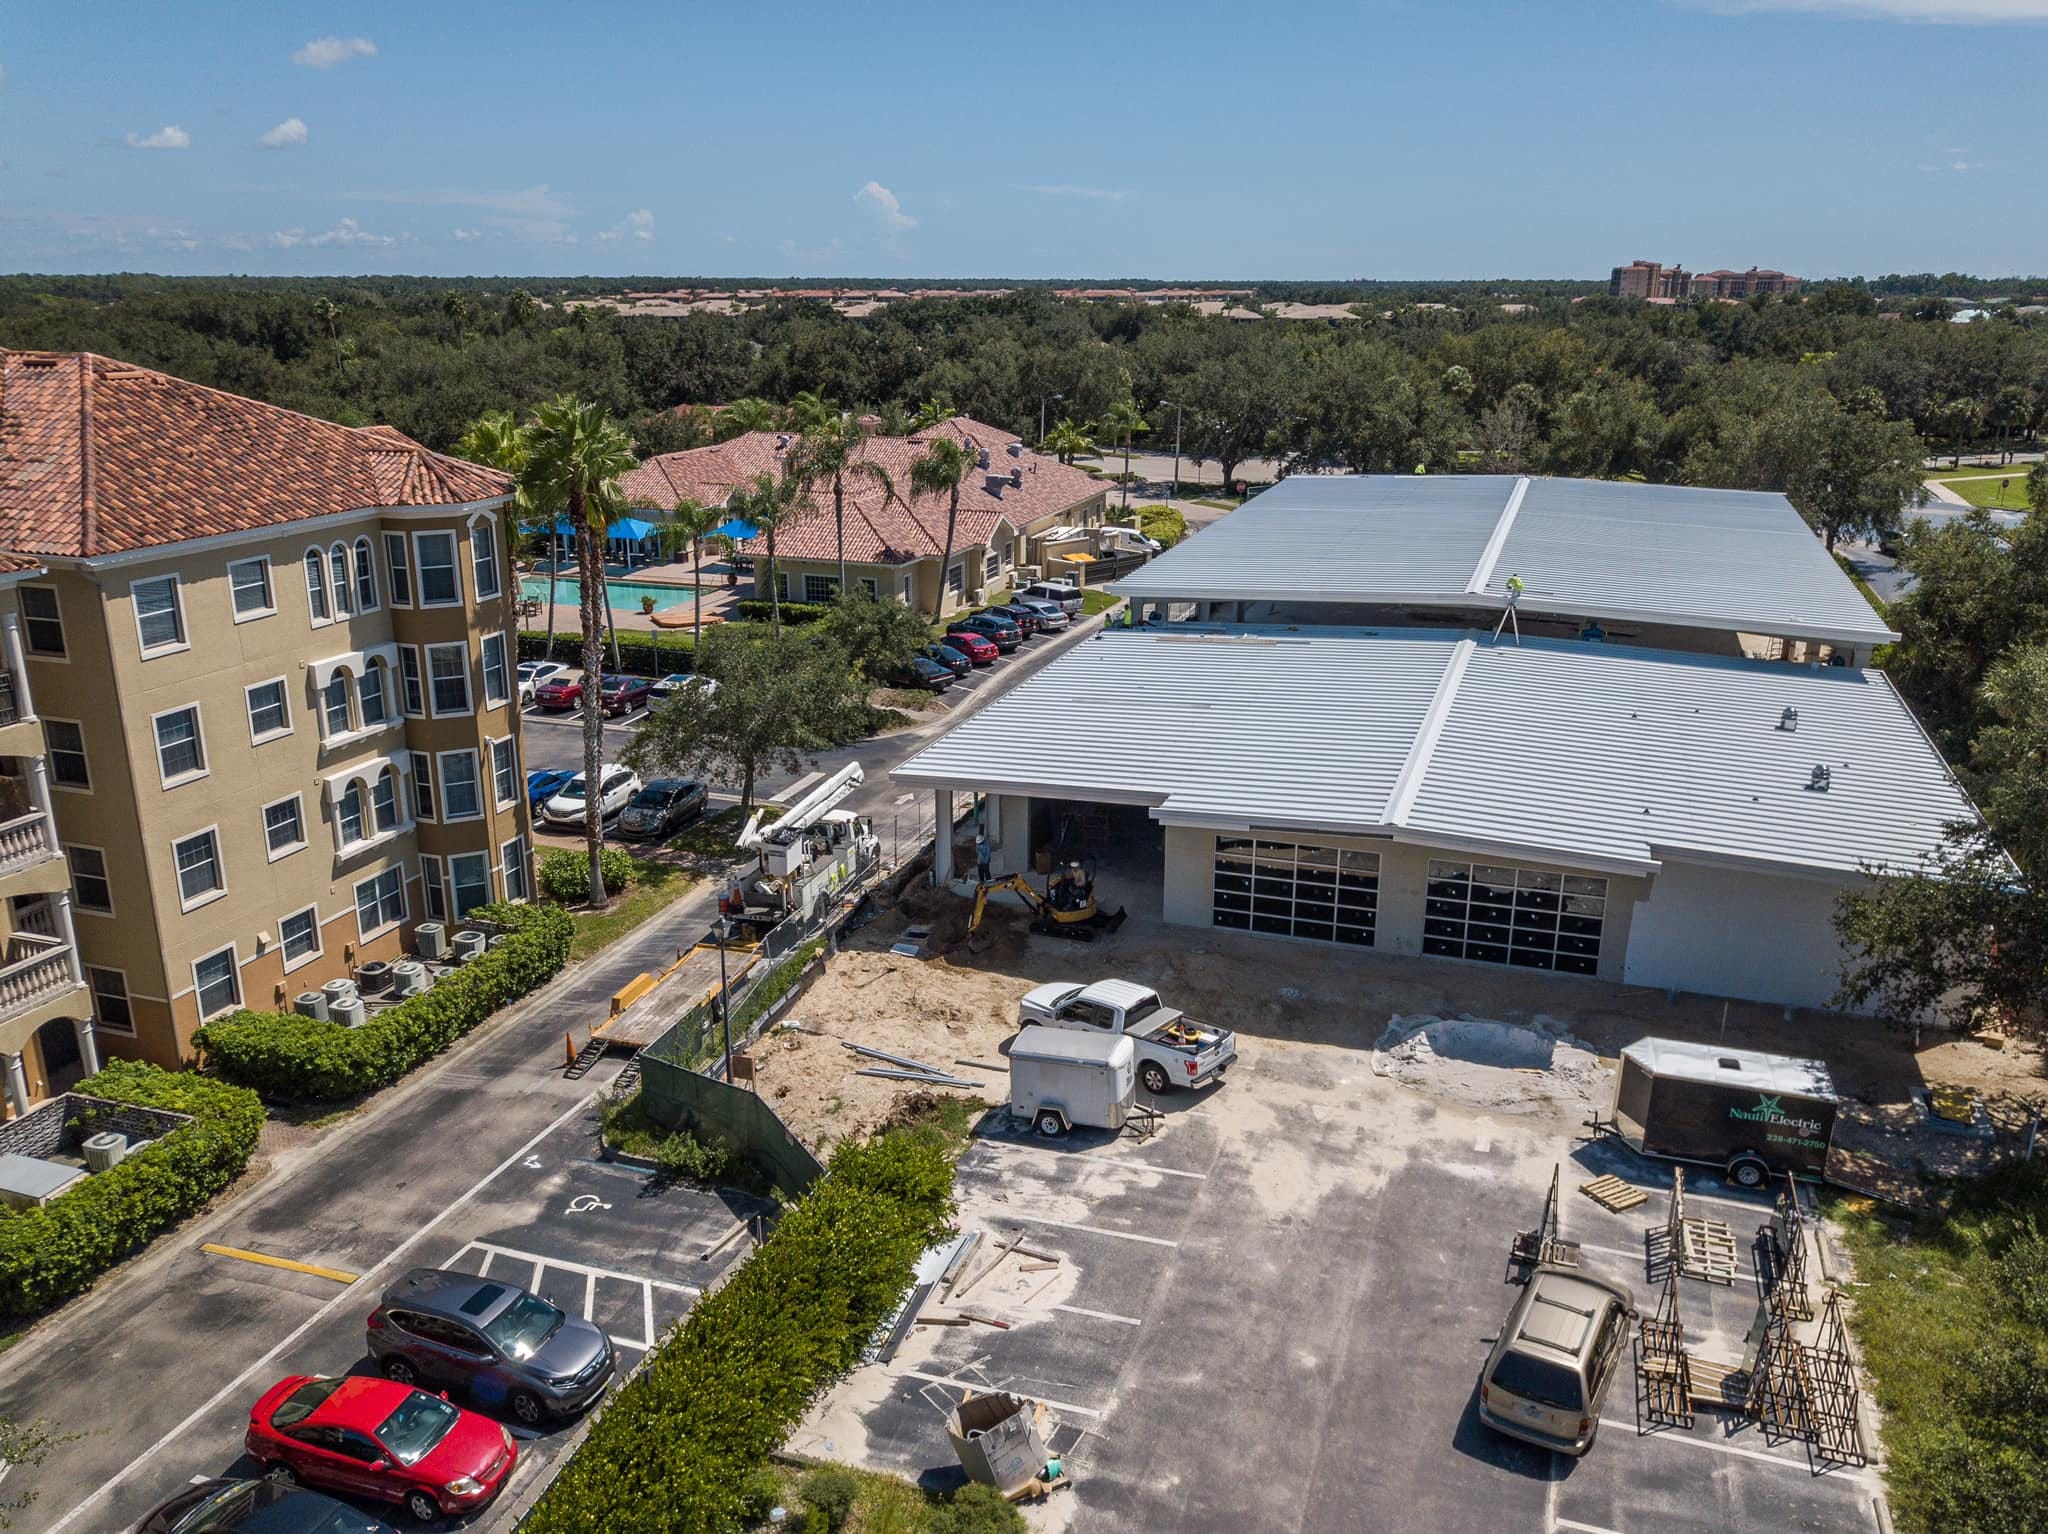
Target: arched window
x=334, y=706
x=483, y=553
x=316, y=585
x=337, y=559
x=349, y=814
x=373, y=694
x=366, y=577
x=384, y=799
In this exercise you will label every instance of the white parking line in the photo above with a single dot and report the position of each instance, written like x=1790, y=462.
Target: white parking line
x=1581, y=1528
x=1100, y=1315
x=979, y=1388
x=1093, y=1230
x=591, y=1275
x=1779, y=1460
x=567, y=1266
x=350, y=1294
x=797, y=787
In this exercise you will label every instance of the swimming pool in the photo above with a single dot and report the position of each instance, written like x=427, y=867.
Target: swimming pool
x=623, y=595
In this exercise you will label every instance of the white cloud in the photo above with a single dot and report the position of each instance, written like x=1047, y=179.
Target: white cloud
x=286, y=239
x=533, y=213
x=326, y=52
x=347, y=232
x=1967, y=12
x=171, y=137
x=466, y=234
x=286, y=134
x=886, y=207
x=1089, y=193
x=639, y=224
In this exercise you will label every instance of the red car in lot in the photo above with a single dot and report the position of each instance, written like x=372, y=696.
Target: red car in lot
x=559, y=692
x=622, y=694
x=374, y=1438
x=981, y=651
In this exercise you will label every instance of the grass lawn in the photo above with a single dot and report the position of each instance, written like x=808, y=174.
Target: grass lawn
x=1093, y=602
x=1221, y=503
x=1951, y=1315
x=654, y=886
x=2004, y=491
x=878, y=1504
x=713, y=835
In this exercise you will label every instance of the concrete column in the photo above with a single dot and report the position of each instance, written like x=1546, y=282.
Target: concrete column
x=39, y=794
x=942, y=852
x=17, y=1083
x=69, y=932
x=17, y=662
x=88, y=1046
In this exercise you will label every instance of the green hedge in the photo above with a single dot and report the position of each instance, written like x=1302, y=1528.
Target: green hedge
x=672, y=1451
x=565, y=875
x=761, y=610
x=638, y=653
x=52, y=1253
x=284, y=1055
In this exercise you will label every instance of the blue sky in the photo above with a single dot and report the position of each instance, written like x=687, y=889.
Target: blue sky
x=1300, y=138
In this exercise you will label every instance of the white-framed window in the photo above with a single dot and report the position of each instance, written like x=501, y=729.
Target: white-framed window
x=422, y=786
x=470, y=875
x=448, y=678
x=401, y=569
x=342, y=578
x=366, y=577
x=110, y=1007
x=334, y=710
x=496, y=690
x=200, y=878
x=483, y=558
x=284, y=826
x=64, y=753
x=384, y=814
x=159, y=616
x=180, y=748
x=460, y=799
x=299, y=936
x=410, y=693
x=909, y=585
x=867, y=584
x=348, y=814
x=249, y=588
x=514, y=854
x=380, y=902
x=956, y=578
x=270, y=713
x=505, y=771
x=820, y=588
x=91, y=889
x=316, y=587
x=42, y=620
x=218, y=981
x=372, y=696
x=440, y=584
x=432, y=889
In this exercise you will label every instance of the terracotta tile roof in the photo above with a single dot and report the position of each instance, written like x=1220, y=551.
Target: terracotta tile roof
x=15, y=564
x=878, y=530
x=98, y=456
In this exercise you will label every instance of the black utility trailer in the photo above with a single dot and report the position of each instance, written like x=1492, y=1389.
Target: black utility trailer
x=1753, y=1114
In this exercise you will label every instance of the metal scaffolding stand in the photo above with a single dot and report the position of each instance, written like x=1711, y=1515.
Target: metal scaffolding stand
x=1698, y=1247
x=1663, y=1369
x=1781, y=1254
x=1543, y=1244
x=1808, y=1391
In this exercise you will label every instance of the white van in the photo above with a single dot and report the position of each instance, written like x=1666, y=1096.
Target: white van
x=1063, y=594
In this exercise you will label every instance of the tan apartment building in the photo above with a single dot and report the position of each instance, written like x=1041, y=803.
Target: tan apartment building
x=46, y=1028
x=895, y=545
x=277, y=687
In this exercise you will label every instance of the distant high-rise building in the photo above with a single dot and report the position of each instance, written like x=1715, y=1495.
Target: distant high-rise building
x=1727, y=284
x=1647, y=279
x=1650, y=281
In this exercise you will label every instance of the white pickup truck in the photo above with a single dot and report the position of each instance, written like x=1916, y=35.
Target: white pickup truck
x=1173, y=1049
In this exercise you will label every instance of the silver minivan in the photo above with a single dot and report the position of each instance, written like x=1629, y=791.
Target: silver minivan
x=1065, y=596
x=1560, y=1349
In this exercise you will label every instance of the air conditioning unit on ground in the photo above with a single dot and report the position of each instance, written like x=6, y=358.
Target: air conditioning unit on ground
x=976, y=597
x=372, y=978
x=350, y=1013
x=311, y=1004
x=467, y=946
x=431, y=939
x=499, y=940
x=105, y=1151
x=408, y=978
x=338, y=991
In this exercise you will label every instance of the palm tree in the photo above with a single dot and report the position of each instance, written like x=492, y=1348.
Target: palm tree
x=521, y=307
x=1120, y=425
x=497, y=438
x=831, y=454
x=808, y=412
x=576, y=455
x=1066, y=441
x=691, y=521
x=764, y=504
x=456, y=307
x=933, y=412
x=745, y=415
x=941, y=470
x=328, y=313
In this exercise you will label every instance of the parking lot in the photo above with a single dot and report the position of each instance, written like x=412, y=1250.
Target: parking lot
x=1272, y=1312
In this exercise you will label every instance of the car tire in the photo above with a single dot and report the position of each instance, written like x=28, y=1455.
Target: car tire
x=1154, y=1077
x=277, y=1470
x=526, y=1406
x=422, y=1508
x=399, y=1370
x=1049, y=1124
x=1748, y=1171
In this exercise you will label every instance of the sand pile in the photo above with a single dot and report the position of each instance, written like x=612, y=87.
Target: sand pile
x=1500, y=1067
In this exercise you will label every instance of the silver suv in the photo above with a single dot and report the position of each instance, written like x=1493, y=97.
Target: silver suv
x=1559, y=1351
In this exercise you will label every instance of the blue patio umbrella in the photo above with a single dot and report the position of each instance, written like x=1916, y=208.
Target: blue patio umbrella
x=736, y=529
x=630, y=527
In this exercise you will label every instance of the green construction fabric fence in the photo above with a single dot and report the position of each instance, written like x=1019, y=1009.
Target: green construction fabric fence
x=709, y=1109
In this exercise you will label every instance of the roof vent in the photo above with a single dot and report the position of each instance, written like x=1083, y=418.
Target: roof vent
x=981, y=459
x=1789, y=720
x=1820, y=780
x=781, y=441
x=1729, y=1063
x=995, y=484
x=1017, y=477
x=1015, y=450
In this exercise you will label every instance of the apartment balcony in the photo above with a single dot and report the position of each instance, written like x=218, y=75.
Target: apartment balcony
x=37, y=982
x=31, y=862
x=21, y=733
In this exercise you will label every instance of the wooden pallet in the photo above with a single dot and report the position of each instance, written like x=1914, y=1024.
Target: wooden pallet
x=1612, y=1194
x=1722, y=1386
x=1706, y=1250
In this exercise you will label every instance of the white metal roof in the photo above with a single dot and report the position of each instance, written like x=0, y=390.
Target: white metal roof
x=1582, y=755
x=1720, y=1066
x=1735, y=560
x=1038, y=1042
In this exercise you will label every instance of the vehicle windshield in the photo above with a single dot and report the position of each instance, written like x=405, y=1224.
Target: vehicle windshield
x=265, y=1507
x=573, y=789
x=1540, y=1380
x=421, y=1421
x=652, y=798
x=521, y=1327
x=303, y=1402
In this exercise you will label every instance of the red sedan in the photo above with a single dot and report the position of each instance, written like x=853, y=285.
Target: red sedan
x=368, y=1437
x=559, y=692
x=981, y=651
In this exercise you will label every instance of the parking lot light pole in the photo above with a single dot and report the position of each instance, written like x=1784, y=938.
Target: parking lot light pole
x=1041, y=415
x=1176, y=446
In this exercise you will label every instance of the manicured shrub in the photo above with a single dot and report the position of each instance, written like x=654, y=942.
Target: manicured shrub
x=975, y=1509
x=52, y=1253
x=288, y=1056
x=829, y=1491
x=639, y=654
x=675, y=1450
x=761, y=610
x=565, y=873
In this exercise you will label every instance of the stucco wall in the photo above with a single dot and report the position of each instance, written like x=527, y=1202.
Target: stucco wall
x=1731, y=932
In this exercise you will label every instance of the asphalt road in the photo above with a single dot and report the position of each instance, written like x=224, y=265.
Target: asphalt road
x=486, y=1150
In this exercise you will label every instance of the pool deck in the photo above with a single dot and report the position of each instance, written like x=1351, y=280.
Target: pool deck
x=719, y=601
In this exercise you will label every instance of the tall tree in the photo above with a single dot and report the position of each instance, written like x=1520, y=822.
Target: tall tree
x=1120, y=423
x=690, y=522
x=808, y=411
x=496, y=438
x=1067, y=441
x=833, y=453
x=521, y=307
x=933, y=412
x=743, y=416
x=764, y=504
x=576, y=455
x=941, y=469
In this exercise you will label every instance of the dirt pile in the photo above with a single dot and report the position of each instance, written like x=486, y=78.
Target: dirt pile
x=1498, y=1067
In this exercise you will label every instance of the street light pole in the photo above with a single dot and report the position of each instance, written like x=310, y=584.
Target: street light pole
x=1176, y=446
x=1041, y=415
